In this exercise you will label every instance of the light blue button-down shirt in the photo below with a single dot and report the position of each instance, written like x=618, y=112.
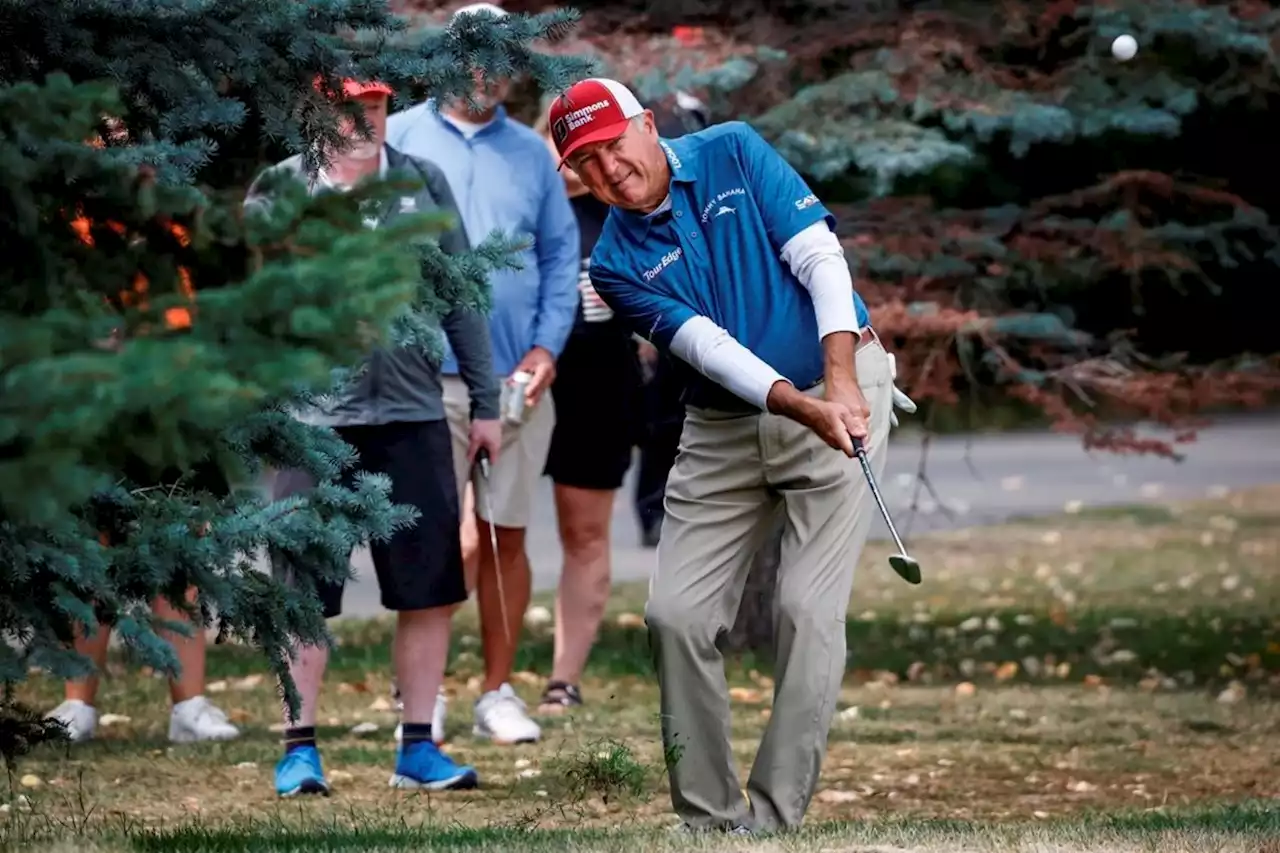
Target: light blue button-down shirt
x=504, y=178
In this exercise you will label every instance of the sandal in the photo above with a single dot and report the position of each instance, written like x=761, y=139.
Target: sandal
x=558, y=698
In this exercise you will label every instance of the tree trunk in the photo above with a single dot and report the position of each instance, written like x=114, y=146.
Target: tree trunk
x=753, y=629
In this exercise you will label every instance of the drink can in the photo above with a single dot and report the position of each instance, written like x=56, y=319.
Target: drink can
x=513, y=405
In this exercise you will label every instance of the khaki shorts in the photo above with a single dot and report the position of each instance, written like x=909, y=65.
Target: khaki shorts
x=520, y=462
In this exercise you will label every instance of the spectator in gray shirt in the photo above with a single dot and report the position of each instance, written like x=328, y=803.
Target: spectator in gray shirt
x=394, y=416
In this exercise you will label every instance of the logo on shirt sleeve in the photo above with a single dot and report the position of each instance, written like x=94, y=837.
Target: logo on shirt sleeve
x=807, y=202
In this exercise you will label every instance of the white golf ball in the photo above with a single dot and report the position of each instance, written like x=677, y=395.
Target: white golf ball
x=1124, y=48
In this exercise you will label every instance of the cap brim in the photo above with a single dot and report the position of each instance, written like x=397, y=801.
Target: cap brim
x=608, y=133
x=356, y=92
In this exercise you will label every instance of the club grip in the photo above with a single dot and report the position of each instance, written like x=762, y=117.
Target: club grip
x=858, y=447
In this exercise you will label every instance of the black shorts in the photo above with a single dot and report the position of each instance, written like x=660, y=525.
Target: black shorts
x=598, y=400
x=420, y=567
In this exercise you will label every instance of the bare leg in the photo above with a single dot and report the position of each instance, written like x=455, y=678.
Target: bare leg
x=94, y=648
x=470, y=566
x=517, y=584
x=420, y=652
x=584, y=516
x=190, y=651
x=307, y=670
x=470, y=534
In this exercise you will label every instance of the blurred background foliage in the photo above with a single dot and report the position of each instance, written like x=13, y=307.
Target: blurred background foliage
x=1046, y=234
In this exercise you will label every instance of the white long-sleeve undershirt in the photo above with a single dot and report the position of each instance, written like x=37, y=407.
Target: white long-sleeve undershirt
x=714, y=353
x=816, y=258
x=817, y=261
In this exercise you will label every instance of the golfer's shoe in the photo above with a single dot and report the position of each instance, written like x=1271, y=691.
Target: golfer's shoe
x=423, y=766
x=437, y=719
x=735, y=830
x=198, y=719
x=299, y=772
x=501, y=717
x=78, y=718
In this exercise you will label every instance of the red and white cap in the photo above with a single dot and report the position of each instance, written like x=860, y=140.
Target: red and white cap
x=593, y=110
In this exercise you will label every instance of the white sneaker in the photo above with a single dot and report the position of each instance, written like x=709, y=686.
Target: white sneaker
x=501, y=717
x=197, y=719
x=437, y=719
x=80, y=719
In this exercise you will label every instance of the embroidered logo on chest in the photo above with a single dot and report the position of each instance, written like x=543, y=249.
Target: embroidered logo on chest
x=667, y=260
x=721, y=204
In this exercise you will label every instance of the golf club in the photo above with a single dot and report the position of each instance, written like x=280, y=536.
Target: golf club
x=482, y=460
x=905, y=565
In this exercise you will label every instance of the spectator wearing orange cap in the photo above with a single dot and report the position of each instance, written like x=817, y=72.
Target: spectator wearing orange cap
x=393, y=414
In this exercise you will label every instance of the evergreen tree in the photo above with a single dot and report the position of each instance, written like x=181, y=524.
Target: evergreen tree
x=155, y=337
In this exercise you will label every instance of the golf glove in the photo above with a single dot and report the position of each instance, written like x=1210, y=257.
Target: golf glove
x=594, y=309
x=900, y=399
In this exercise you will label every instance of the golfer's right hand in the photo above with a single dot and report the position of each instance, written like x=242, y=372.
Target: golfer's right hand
x=837, y=423
x=487, y=435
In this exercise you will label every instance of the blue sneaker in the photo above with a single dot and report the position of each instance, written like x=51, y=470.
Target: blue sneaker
x=422, y=765
x=299, y=773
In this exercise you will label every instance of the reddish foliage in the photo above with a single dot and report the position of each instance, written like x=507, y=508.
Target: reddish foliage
x=1175, y=399
x=1078, y=384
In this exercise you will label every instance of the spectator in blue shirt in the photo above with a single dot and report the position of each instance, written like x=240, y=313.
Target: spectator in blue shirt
x=503, y=179
x=717, y=251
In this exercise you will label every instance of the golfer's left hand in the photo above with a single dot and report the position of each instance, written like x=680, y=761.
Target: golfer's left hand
x=858, y=413
x=542, y=365
x=485, y=435
x=900, y=399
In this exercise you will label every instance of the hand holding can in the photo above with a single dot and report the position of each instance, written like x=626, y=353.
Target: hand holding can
x=514, y=397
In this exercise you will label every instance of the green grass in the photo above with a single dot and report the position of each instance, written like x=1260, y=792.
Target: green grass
x=1253, y=826
x=1104, y=680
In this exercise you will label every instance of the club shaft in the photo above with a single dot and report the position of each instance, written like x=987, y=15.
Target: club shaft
x=483, y=460
x=875, y=492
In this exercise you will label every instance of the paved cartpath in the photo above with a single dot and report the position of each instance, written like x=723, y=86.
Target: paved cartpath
x=1004, y=475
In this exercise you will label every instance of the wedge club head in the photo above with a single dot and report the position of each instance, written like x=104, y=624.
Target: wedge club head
x=906, y=567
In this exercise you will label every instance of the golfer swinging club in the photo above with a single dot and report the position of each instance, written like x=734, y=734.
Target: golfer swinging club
x=716, y=250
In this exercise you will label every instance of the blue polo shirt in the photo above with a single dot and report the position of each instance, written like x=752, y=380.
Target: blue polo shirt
x=735, y=202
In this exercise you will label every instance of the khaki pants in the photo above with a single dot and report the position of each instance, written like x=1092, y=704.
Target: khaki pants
x=731, y=473
x=520, y=461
